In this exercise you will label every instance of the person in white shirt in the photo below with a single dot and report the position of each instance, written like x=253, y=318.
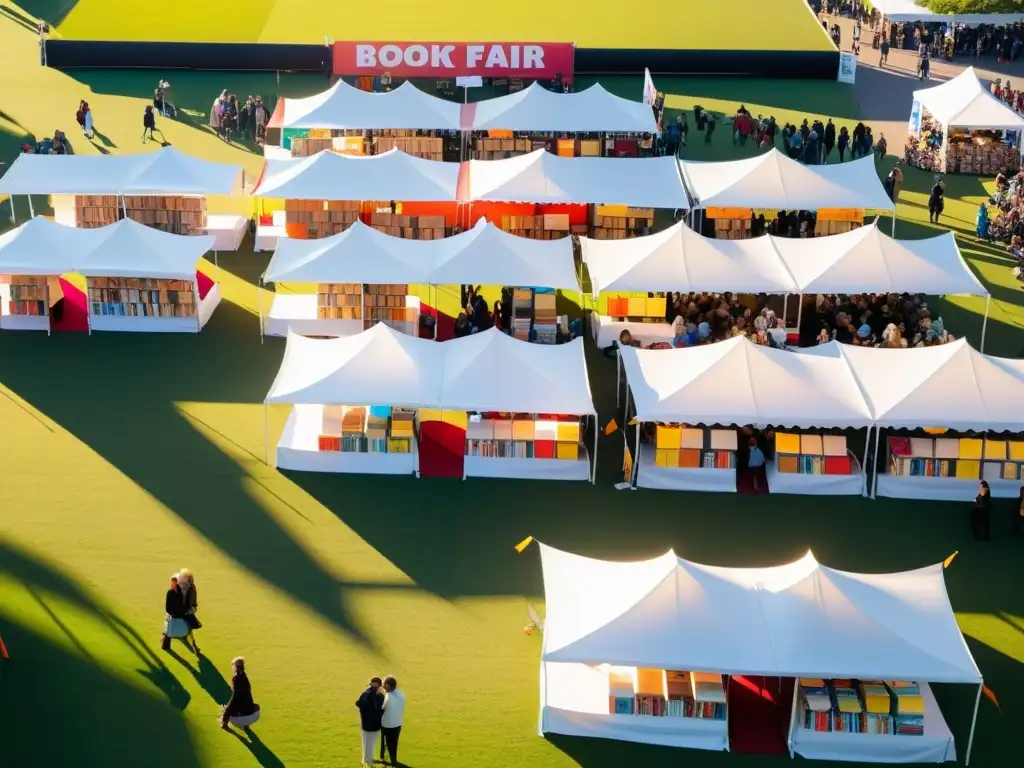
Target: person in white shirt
x=391, y=723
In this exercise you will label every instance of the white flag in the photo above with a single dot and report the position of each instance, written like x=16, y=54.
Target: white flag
x=650, y=92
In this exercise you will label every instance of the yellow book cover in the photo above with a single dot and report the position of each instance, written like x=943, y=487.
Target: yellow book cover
x=655, y=308
x=661, y=456
x=876, y=703
x=429, y=414
x=995, y=450
x=693, y=437
x=523, y=429
x=458, y=419
x=650, y=681
x=968, y=469
x=568, y=451
x=787, y=443
x=970, y=448
x=910, y=705
x=568, y=432
x=1017, y=450
x=1009, y=471
x=636, y=307
x=669, y=437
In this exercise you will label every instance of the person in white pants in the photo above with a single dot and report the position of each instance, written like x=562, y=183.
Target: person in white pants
x=371, y=708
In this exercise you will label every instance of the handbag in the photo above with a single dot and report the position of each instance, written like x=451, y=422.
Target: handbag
x=193, y=621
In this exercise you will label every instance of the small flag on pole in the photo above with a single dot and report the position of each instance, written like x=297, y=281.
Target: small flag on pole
x=991, y=697
x=524, y=543
x=611, y=428
x=632, y=422
x=3, y=650
x=948, y=560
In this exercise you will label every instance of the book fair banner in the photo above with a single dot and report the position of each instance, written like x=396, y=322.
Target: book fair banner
x=536, y=61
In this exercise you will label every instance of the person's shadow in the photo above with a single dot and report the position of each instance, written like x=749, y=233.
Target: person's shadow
x=207, y=675
x=263, y=754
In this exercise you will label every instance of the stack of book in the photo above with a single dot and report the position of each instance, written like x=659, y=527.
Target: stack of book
x=522, y=313
x=353, y=429
x=812, y=454
x=907, y=708
x=408, y=226
x=387, y=304
x=339, y=301
x=621, y=691
x=816, y=703
x=551, y=226
x=525, y=437
x=171, y=213
x=618, y=222
x=403, y=423
x=679, y=692
x=877, y=705
x=682, y=447
x=315, y=219
x=24, y=295
x=418, y=146
x=846, y=707
x=545, y=317
x=499, y=148
x=377, y=428
x=636, y=309
x=93, y=211
x=708, y=695
x=650, y=692
x=330, y=428
x=140, y=297
x=936, y=457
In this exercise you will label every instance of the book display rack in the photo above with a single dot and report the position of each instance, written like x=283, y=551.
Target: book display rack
x=343, y=309
x=24, y=302
x=618, y=222
x=500, y=147
x=359, y=429
x=549, y=226
x=314, y=219
x=410, y=227
x=636, y=309
x=143, y=298
x=814, y=463
x=389, y=304
x=686, y=457
x=648, y=692
x=526, y=446
x=177, y=214
x=339, y=301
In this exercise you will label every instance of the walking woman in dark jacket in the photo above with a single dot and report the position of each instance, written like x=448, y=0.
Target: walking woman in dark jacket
x=981, y=513
x=240, y=711
x=174, y=615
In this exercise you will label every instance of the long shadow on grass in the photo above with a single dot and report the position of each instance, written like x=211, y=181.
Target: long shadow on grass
x=116, y=393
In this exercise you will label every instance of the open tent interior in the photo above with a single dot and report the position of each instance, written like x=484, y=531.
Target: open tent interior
x=965, y=102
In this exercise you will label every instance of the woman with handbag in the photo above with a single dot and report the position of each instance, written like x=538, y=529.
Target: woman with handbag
x=187, y=584
x=174, y=615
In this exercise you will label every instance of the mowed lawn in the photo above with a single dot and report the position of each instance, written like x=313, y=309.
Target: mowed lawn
x=748, y=24
x=127, y=457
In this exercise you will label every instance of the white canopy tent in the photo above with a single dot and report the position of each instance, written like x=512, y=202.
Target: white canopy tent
x=328, y=175
x=772, y=180
x=801, y=619
x=344, y=107
x=909, y=10
x=130, y=249
x=538, y=109
x=965, y=102
x=541, y=177
x=42, y=247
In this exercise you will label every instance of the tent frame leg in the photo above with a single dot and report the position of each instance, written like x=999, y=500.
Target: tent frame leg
x=984, y=323
x=792, y=715
x=259, y=307
x=864, y=466
x=266, y=433
x=878, y=445
x=618, y=374
x=974, y=722
x=636, y=468
x=31, y=210
x=593, y=463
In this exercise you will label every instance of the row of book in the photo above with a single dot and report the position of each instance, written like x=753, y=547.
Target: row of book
x=128, y=309
x=523, y=428
x=866, y=706
x=523, y=449
x=968, y=458
x=670, y=436
x=694, y=458
x=622, y=308
x=812, y=454
x=666, y=693
x=360, y=429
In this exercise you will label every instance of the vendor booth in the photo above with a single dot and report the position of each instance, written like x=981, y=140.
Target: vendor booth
x=32, y=259
x=960, y=127
x=165, y=189
x=696, y=397
x=731, y=192
x=958, y=403
x=666, y=651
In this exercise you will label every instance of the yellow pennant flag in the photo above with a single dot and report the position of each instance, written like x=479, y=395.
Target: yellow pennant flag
x=632, y=422
x=948, y=560
x=627, y=465
x=524, y=543
x=612, y=428
x=991, y=697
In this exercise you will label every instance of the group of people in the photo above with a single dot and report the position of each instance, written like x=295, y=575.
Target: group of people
x=381, y=713
x=813, y=143
x=246, y=120
x=873, y=320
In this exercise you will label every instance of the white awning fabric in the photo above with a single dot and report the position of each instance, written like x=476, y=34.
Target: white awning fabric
x=951, y=385
x=965, y=102
x=538, y=109
x=167, y=171
x=328, y=175
x=130, y=249
x=909, y=10
x=41, y=247
x=800, y=619
x=739, y=382
x=866, y=260
x=483, y=372
x=345, y=107
x=483, y=255
x=775, y=181
x=541, y=177
x=679, y=259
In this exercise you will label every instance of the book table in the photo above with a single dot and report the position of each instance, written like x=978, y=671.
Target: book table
x=814, y=465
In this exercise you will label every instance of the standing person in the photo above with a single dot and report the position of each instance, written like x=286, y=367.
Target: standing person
x=260, y=117
x=843, y=142
x=881, y=147
x=371, y=709
x=187, y=584
x=240, y=711
x=896, y=175
x=149, y=124
x=174, y=615
x=884, y=58
x=830, y=138
x=710, y=126
x=684, y=129
x=391, y=722
x=981, y=513
x=857, y=145
x=80, y=115
x=215, y=110
x=935, y=201
x=87, y=120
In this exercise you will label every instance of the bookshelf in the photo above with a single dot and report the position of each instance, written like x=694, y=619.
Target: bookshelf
x=339, y=301
x=360, y=429
x=814, y=463
x=140, y=297
x=636, y=309
x=24, y=302
x=389, y=304
x=526, y=446
x=409, y=227
x=619, y=222
x=177, y=214
x=315, y=219
x=426, y=147
x=647, y=692
x=550, y=226
x=498, y=148
x=686, y=457
x=522, y=313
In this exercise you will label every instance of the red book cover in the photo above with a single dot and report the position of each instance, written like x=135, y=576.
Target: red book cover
x=899, y=446
x=838, y=465
x=544, y=449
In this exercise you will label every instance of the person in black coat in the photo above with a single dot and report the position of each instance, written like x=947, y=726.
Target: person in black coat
x=240, y=705
x=371, y=710
x=830, y=138
x=981, y=513
x=148, y=125
x=174, y=619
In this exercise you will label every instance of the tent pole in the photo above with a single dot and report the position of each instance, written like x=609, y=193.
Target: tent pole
x=14, y=217
x=894, y=220
x=984, y=323
x=636, y=468
x=31, y=210
x=593, y=467
x=124, y=206
x=799, y=316
x=266, y=432
x=785, y=305
x=878, y=446
x=728, y=744
x=216, y=262
x=259, y=305
x=792, y=716
x=974, y=722
x=618, y=374
x=864, y=467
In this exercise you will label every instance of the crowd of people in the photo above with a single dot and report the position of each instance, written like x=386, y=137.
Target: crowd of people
x=231, y=118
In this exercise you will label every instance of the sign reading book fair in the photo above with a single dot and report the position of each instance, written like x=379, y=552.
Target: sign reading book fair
x=536, y=61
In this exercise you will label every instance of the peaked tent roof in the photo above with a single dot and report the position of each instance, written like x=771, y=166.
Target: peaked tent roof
x=170, y=171
x=379, y=365
x=492, y=371
x=130, y=249
x=951, y=385
x=42, y=247
x=679, y=259
x=538, y=109
x=909, y=10
x=541, y=177
x=964, y=102
x=772, y=180
x=343, y=106
x=867, y=260
x=328, y=175
x=800, y=619
x=739, y=382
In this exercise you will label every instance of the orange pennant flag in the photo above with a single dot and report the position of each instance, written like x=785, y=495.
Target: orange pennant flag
x=524, y=543
x=3, y=650
x=612, y=428
x=991, y=697
x=948, y=560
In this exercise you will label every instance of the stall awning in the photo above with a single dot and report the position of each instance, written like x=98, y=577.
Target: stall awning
x=41, y=247
x=867, y=260
x=328, y=175
x=965, y=102
x=541, y=177
x=166, y=171
x=344, y=107
x=130, y=249
x=739, y=382
x=909, y=10
x=538, y=109
x=775, y=181
x=679, y=259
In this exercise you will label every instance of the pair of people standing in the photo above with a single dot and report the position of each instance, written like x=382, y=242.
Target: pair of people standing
x=180, y=604
x=381, y=712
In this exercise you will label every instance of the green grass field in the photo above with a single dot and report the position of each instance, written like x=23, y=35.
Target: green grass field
x=126, y=457
x=689, y=24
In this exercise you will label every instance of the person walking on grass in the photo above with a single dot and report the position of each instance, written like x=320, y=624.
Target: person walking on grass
x=187, y=584
x=175, y=625
x=371, y=710
x=391, y=721
x=149, y=125
x=710, y=129
x=936, y=202
x=240, y=711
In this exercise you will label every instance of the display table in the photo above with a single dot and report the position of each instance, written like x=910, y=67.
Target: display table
x=816, y=485
x=25, y=322
x=942, y=488
x=574, y=702
x=228, y=231
x=298, y=449
x=267, y=237
x=160, y=324
x=935, y=746
x=605, y=330
x=652, y=476
x=298, y=312
x=529, y=469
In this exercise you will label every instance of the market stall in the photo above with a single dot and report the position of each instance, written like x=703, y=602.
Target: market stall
x=166, y=189
x=959, y=405
x=32, y=259
x=622, y=641
x=960, y=127
x=696, y=397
